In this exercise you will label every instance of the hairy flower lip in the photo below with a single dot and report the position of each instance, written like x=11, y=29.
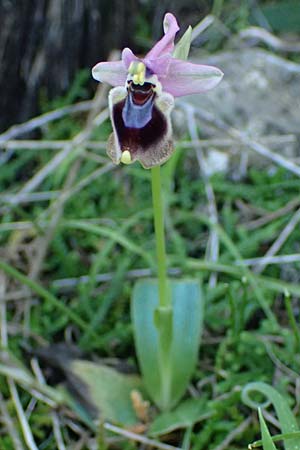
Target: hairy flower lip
x=143, y=134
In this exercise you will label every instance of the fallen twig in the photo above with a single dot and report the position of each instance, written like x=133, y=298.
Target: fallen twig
x=213, y=247
x=243, y=138
x=234, y=433
x=36, y=144
x=28, y=437
x=138, y=438
x=275, y=247
x=10, y=426
x=261, y=34
x=281, y=259
x=43, y=119
x=261, y=221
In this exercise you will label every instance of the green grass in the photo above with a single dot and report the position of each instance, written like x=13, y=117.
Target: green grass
x=107, y=228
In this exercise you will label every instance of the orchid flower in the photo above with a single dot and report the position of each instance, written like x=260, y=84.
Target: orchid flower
x=142, y=99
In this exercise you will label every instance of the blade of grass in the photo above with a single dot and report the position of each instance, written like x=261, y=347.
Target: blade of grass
x=248, y=274
x=111, y=234
x=237, y=256
x=268, y=444
x=286, y=418
x=101, y=257
x=42, y=292
x=106, y=301
x=276, y=438
x=267, y=282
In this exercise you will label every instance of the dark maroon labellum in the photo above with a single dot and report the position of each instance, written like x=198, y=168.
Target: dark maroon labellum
x=138, y=122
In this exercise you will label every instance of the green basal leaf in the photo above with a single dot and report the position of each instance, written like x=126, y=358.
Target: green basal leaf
x=268, y=444
x=107, y=390
x=286, y=418
x=167, y=351
x=182, y=47
x=185, y=415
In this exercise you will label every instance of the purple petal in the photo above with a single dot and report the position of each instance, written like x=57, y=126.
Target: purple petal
x=159, y=66
x=166, y=43
x=113, y=73
x=127, y=57
x=186, y=78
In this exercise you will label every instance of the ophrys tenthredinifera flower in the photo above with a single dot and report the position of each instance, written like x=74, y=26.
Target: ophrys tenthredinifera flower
x=143, y=97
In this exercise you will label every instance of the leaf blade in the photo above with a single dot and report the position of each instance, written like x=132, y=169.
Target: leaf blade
x=268, y=444
x=164, y=380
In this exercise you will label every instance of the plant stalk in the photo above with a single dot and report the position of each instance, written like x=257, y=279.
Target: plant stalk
x=158, y=211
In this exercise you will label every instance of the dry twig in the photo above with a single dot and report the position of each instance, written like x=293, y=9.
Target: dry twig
x=57, y=208
x=3, y=319
x=261, y=34
x=275, y=247
x=36, y=145
x=57, y=431
x=39, y=177
x=244, y=139
x=28, y=437
x=261, y=221
x=10, y=426
x=234, y=433
x=138, y=438
x=282, y=259
x=211, y=202
x=43, y=119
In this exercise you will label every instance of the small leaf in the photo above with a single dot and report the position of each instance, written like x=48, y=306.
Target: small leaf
x=107, y=390
x=166, y=373
x=268, y=444
x=182, y=47
x=185, y=415
x=286, y=418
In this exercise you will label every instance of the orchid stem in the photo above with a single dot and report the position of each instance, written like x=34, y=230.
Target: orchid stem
x=158, y=211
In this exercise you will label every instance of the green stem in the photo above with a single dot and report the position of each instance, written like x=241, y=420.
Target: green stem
x=158, y=211
x=163, y=315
